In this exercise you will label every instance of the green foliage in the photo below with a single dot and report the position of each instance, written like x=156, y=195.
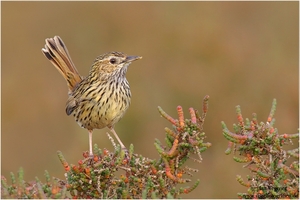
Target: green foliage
x=32, y=190
x=261, y=147
x=138, y=177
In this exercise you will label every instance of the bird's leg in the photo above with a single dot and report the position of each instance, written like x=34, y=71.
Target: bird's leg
x=90, y=142
x=120, y=142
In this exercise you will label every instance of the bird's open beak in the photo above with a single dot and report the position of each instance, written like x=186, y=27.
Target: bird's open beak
x=132, y=58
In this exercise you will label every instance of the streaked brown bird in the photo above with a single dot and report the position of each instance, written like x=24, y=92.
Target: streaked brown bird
x=100, y=99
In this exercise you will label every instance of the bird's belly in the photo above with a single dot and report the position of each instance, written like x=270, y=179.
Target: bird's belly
x=97, y=115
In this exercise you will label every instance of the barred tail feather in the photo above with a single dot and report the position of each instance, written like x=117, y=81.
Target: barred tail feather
x=56, y=51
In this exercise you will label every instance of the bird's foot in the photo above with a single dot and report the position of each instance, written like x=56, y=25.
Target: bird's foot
x=126, y=152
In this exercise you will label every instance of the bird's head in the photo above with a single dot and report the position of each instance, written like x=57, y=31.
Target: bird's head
x=112, y=64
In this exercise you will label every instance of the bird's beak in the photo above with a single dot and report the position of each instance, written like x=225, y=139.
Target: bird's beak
x=132, y=58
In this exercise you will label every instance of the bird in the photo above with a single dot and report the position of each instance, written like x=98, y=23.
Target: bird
x=101, y=98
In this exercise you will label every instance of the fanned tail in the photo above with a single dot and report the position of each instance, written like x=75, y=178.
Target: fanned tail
x=56, y=51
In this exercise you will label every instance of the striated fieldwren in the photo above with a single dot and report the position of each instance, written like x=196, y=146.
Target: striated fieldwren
x=100, y=99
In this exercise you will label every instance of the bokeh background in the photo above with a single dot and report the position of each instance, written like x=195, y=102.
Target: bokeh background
x=239, y=53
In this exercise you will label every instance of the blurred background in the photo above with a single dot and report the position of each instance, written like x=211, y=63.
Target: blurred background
x=238, y=53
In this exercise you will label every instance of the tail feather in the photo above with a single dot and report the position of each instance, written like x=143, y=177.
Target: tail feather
x=56, y=51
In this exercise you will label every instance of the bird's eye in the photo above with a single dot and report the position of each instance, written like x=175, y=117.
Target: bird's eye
x=113, y=60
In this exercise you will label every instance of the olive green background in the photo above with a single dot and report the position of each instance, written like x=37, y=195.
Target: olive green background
x=239, y=53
